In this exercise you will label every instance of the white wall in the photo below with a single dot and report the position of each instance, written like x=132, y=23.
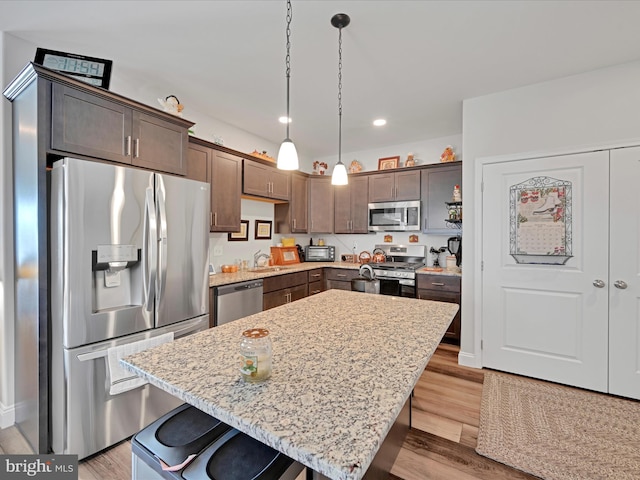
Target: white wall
x=601, y=107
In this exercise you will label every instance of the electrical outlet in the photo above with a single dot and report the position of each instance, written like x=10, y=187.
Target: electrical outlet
x=217, y=251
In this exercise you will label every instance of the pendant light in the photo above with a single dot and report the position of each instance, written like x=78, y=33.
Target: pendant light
x=287, y=155
x=339, y=176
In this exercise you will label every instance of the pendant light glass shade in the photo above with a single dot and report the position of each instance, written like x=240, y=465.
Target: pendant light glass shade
x=339, y=176
x=287, y=156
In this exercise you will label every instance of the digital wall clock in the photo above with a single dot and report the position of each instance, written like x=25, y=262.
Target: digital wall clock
x=94, y=71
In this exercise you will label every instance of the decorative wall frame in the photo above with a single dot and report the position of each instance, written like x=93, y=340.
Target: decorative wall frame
x=540, y=220
x=263, y=230
x=242, y=235
x=388, y=163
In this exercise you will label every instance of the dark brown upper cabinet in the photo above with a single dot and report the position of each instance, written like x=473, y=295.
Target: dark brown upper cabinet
x=94, y=126
x=265, y=181
x=223, y=171
x=394, y=186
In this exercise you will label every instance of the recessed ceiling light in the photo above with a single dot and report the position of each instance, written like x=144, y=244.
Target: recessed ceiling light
x=284, y=120
x=379, y=122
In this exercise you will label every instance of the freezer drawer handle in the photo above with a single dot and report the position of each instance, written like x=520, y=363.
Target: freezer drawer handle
x=83, y=357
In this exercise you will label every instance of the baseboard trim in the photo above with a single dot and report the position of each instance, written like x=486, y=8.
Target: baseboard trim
x=468, y=360
x=7, y=415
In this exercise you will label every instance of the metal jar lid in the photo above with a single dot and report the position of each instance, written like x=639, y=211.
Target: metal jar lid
x=256, y=333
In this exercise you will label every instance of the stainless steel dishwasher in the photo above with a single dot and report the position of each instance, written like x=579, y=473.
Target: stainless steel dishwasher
x=237, y=300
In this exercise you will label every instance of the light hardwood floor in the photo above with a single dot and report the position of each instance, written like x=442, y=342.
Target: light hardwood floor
x=440, y=446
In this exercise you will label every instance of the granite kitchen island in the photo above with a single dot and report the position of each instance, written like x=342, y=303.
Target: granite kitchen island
x=344, y=365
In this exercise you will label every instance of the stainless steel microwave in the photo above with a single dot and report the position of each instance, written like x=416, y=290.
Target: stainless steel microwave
x=319, y=253
x=394, y=216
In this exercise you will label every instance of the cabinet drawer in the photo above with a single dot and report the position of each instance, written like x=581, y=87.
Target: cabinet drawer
x=444, y=283
x=284, y=281
x=340, y=274
x=316, y=287
x=316, y=275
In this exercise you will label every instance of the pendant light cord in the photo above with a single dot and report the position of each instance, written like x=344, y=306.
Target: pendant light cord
x=288, y=58
x=340, y=95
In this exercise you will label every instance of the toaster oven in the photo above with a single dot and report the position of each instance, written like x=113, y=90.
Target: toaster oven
x=319, y=253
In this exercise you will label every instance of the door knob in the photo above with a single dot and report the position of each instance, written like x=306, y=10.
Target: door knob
x=621, y=284
x=598, y=283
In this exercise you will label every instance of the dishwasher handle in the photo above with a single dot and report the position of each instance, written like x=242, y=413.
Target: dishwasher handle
x=238, y=287
x=247, y=286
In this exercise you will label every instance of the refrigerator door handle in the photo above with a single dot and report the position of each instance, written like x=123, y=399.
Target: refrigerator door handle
x=150, y=242
x=162, y=240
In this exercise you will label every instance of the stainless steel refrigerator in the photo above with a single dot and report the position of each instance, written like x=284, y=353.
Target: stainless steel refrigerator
x=129, y=263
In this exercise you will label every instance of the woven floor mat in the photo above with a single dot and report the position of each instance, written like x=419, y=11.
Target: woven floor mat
x=557, y=432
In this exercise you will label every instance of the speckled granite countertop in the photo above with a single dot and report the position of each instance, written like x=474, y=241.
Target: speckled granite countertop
x=344, y=364
x=227, y=278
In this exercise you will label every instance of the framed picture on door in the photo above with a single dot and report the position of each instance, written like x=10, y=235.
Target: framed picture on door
x=540, y=221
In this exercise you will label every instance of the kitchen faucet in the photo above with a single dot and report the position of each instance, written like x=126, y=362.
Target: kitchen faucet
x=257, y=256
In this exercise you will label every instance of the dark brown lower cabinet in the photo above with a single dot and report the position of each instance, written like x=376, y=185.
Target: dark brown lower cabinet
x=282, y=289
x=316, y=281
x=442, y=288
x=339, y=278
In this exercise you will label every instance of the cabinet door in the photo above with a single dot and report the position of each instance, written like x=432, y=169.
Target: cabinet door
x=381, y=187
x=283, y=296
x=320, y=205
x=342, y=209
x=359, y=205
x=279, y=184
x=274, y=299
x=407, y=185
x=299, y=205
x=297, y=293
x=437, y=188
x=624, y=266
x=453, y=332
x=159, y=144
x=88, y=125
x=197, y=162
x=265, y=181
x=255, y=179
x=226, y=187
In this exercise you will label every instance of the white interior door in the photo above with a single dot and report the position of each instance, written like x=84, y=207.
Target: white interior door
x=624, y=303
x=548, y=321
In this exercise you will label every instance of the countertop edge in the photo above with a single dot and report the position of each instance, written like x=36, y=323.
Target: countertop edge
x=220, y=279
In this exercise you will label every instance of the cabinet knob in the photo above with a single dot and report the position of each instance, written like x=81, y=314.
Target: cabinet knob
x=598, y=283
x=621, y=284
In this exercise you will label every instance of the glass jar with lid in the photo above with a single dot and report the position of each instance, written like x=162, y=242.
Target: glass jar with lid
x=255, y=355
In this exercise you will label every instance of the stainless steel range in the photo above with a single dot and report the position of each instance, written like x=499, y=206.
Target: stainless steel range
x=398, y=273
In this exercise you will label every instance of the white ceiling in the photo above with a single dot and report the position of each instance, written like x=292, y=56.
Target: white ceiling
x=412, y=62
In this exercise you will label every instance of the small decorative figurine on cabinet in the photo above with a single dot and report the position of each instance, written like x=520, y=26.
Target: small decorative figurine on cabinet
x=448, y=155
x=410, y=160
x=172, y=105
x=355, y=167
x=319, y=167
x=457, y=195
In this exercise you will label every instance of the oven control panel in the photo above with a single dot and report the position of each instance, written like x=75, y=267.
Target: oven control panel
x=399, y=274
